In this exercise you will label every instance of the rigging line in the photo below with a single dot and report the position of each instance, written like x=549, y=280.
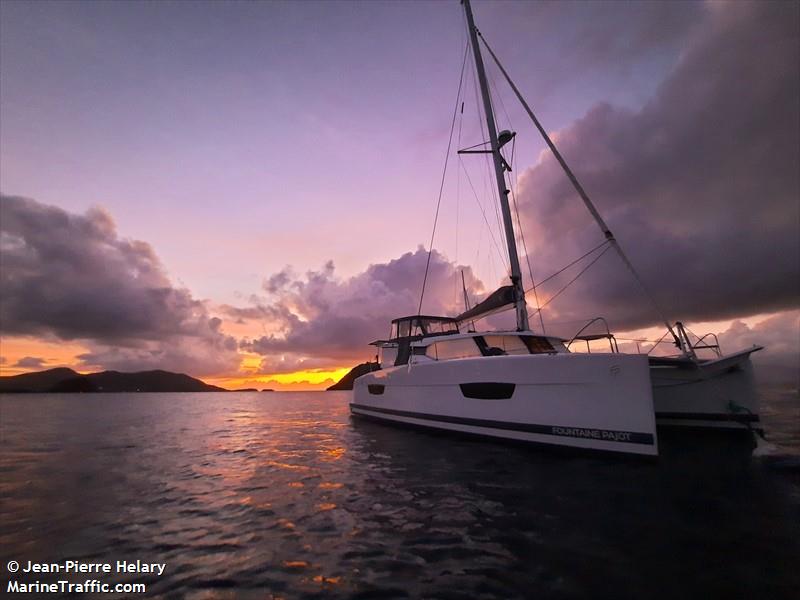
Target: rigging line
x=499, y=97
x=580, y=258
x=496, y=202
x=493, y=192
x=484, y=134
x=661, y=341
x=512, y=184
x=478, y=250
x=558, y=293
x=697, y=337
x=458, y=202
x=525, y=248
x=444, y=173
x=492, y=266
x=475, y=146
x=483, y=214
x=585, y=197
x=658, y=342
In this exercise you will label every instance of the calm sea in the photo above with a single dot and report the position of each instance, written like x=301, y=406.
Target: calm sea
x=281, y=495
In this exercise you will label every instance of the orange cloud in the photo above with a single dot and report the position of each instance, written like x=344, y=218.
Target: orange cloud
x=53, y=354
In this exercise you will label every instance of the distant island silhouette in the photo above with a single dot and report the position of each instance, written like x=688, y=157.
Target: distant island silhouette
x=66, y=380
x=346, y=382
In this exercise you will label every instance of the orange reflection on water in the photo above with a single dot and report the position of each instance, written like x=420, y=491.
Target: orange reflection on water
x=330, y=486
x=296, y=564
x=288, y=466
x=326, y=580
x=332, y=453
x=326, y=506
x=296, y=484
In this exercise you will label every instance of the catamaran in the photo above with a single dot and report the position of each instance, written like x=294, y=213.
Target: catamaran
x=437, y=372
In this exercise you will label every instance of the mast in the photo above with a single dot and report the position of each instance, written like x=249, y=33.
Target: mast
x=499, y=171
x=679, y=342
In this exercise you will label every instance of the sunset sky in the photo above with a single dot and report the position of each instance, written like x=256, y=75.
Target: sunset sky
x=245, y=191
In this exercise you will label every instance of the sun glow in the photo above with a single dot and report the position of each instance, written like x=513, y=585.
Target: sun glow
x=311, y=379
x=315, y=376
x=250, y=362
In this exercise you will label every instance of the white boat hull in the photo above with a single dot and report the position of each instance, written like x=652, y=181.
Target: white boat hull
x=719, y=394
x=592, y=402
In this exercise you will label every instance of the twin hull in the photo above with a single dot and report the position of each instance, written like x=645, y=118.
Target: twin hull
x=587, y=401
x=716, y=394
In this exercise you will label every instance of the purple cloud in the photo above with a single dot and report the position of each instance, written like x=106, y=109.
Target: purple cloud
x=334, y=319
x=780, y=336
x=72, y=277
x=701, y=185
x=30, y=362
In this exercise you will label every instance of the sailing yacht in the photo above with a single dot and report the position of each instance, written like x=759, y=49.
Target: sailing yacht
x=515, y=385
x=524, y=386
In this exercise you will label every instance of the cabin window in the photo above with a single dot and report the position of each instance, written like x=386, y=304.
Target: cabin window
x=539, y=345
x=450, y=349
x=404, y=329
x=510, y=344
x=449, y=327
x=388, y=354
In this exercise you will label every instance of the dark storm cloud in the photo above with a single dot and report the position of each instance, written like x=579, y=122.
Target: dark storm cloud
x=30, y=362
x=72, y=277
x=330, y=318
x=700, y=185
x=291, y=363
x=241, y=314
x=593, y=36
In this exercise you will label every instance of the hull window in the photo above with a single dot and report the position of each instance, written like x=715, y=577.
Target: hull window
x=488, y=390
x=375, y=389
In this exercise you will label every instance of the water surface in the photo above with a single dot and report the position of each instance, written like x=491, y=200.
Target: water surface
x=260, y=495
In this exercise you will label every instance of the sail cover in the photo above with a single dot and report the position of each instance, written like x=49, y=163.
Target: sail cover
x=497, y=299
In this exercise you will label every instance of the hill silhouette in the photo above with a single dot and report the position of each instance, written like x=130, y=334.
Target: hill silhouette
x=68, y=381
x=346, y=382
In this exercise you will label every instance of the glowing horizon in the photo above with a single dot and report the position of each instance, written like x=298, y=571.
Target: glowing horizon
x=60, y=354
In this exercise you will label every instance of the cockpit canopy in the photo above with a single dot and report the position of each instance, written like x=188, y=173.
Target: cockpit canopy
x=422, y=325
